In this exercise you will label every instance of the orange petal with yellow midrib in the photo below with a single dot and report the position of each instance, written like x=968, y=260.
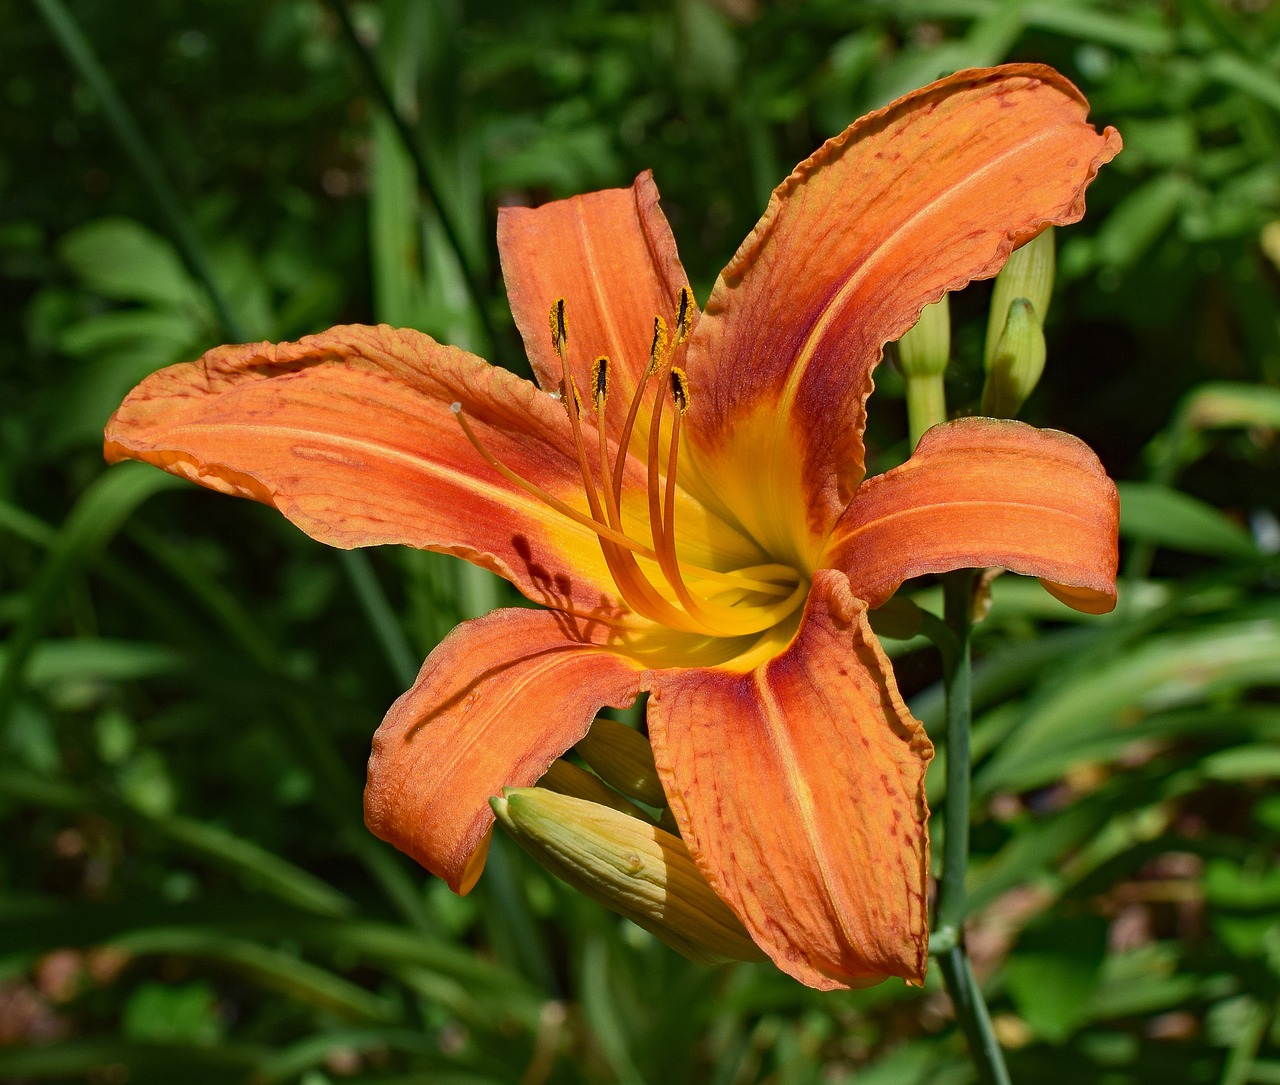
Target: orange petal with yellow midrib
x=498, y=700
x=982, y=492
x=611, y=256
x=350, y=434
x=799, y=789
x=913, y=200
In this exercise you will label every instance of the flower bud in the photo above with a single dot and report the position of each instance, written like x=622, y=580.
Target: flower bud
x=1027, y=274
x=630, y=866
x=925, y=349
x=621, y=756
x=565, y=778
x=1017, y=363
x=923, y=354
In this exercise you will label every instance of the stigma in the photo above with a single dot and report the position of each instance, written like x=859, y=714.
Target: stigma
x=648, y=572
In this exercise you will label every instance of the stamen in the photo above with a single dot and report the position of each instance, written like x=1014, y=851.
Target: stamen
x=686, y=310
x=754, y=578
x=563, y=508
x=680, y=389
x=577, y=396
x=600, y=382
x=559, y=326
x=625, y=439
x=724, y=605
x=630, y=581
x=658, y=348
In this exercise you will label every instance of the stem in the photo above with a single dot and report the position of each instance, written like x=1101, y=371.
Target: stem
x=926, y=404
x=971, y=1011
x=953, y=960
x=957, y=593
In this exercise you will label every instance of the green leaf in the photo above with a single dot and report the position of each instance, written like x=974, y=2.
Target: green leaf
x=1243, y=763
x=1054, y=970
x=160, y=1013
x=272, y=968
x=1224, y=404
x=1163, y=672
x=1168, y=517
x=121, y=259
x=1144, y=980
x=1138, y=220
x=97, y=516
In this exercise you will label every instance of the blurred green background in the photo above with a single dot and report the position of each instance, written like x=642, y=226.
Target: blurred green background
x=187, y=893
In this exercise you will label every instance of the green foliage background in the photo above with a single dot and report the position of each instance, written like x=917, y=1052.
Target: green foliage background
x=187, y=893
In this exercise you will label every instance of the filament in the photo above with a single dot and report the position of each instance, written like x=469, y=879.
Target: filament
x=726, y=603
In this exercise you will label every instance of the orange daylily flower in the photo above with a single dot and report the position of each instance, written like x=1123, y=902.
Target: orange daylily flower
x=691, y=512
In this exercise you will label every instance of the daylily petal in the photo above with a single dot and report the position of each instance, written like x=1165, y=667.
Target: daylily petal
x=984, y=492
x=350, y=434
x=911, y=201
x=799, y=789
x=499, y=699
x=612, y=257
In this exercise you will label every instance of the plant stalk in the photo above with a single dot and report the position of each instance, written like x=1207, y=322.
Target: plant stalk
x=953, y=960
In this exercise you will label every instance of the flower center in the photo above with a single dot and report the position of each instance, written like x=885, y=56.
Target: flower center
x=683, y=595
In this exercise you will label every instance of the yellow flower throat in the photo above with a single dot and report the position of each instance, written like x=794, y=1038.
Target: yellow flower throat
x=686, y=597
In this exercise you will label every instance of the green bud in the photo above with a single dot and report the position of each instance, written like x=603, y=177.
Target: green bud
x=567, y=779
x=622, y=757
x=630, y=866
x=923, y=354
x=1017, y=363
x=1027, y=274
x=925, y=349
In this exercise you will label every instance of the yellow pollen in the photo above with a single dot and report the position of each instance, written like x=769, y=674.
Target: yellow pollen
x=680, y=389
x=600, y=381
x=686, y=310
x=658, y=348
x=577, y=396
x=559, y=326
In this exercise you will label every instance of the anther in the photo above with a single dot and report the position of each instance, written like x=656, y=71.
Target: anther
x=686, y=310
x=680, y=388
x=559, y=326
x=658, y=348
x=577, y=396
x=600, y=380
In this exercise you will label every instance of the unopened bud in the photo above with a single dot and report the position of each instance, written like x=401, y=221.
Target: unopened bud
x=925, y=349
x=923, y=354
x=565, y=778
x=1017, y=363
x=623, y=759
x=629, y=866
x=1028, y=274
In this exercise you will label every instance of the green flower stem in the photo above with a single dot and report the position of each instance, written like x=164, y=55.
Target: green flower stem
x=957, y=664
x=971, y=1010
x=926, y=404
x=134, y=144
